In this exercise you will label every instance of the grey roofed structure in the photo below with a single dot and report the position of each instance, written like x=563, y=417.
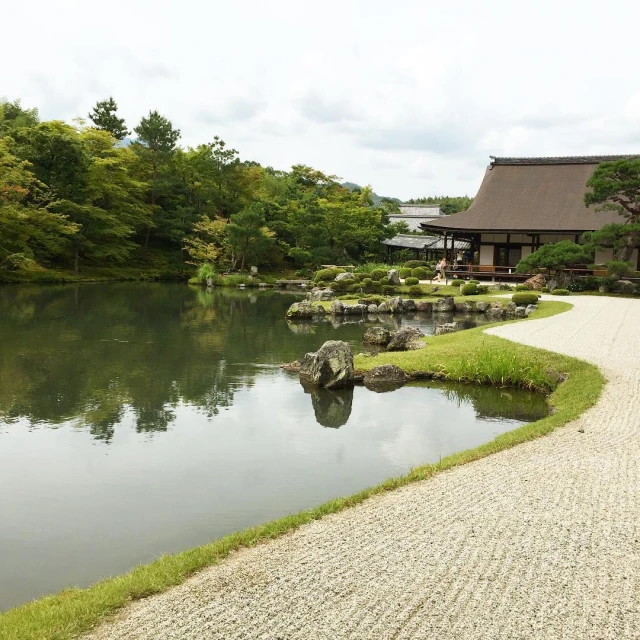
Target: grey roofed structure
x=421, y=243
x=415, y=214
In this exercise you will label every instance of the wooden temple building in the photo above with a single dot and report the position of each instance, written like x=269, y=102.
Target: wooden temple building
x=522, y=204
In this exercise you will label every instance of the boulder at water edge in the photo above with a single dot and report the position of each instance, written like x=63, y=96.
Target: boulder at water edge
x=336, y=308
x=331, y=366
x=406, y=339
x=424, y=307
x=396, y=305
x=445, y=305
x=447, y=327
x=385, y=377
x=481, y=307
x=322, y=294
x=377, y=335
x=304, y=310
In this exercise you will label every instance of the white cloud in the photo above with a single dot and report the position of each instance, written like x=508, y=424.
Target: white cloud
x=410, y=98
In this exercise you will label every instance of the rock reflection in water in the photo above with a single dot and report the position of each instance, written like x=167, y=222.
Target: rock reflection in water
x=332, y=407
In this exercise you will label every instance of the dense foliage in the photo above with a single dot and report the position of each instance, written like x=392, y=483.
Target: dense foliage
x=616, y=186
x=76, y=195
x=448, y=204
x=555, y=257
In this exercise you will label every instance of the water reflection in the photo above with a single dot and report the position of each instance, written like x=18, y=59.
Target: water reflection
x=331, y=407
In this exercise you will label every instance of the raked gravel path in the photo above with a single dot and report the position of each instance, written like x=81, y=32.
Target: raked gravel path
x=541, y=541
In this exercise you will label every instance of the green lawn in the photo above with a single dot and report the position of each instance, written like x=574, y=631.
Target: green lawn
x=69, y=613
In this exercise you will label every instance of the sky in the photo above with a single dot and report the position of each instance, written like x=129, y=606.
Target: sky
x=410, y=96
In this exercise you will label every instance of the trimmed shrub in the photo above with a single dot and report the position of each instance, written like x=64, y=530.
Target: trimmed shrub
x=411, y=281
x=430, y=275
x=375, y=287
x=522, y=287
x=482, y=289
x=388, y=290
x=544, y=290
x=474, y=281
x=366, y=283
x=420, y=273
x=456, y=282
x=377, y=274
x=384, y=281
x=415, y=291
x=321, y=283
x=560, y=292
x=523, y=298
x=590, y=283
x=412, y=264
x=404, y=273
x=469, y=289
x=324, y=274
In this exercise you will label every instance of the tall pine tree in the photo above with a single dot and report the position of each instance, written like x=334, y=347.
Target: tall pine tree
x=104, y=116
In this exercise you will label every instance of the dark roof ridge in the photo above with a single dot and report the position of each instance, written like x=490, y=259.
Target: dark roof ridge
x=560, y=160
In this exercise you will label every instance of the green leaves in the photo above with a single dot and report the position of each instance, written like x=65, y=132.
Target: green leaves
x=555, y=256
x=104, y=117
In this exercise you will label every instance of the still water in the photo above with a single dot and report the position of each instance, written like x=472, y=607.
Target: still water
x=142, y=419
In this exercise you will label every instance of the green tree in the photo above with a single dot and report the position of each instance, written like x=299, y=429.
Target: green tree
x=555, y=257
x=448, y=204
x=612, y=236
x=616, y=186
x=13, y=116
x=248, y=237
x=105, y=117
x=155, y=145
x=28, y=225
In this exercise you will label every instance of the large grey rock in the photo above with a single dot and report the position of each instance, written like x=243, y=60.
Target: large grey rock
x=625, y=286
x=355, y=309
x=210, y=283
x=393, y=277
x=424, y=307
x=304, y=309
x=447, y=327
x=383, y=307
x=321, y=294
x=331, y=366
x=336, y=308
x=254, y=271
x=444, y=305
x=560, y=280
x=406, y=339
x=396, y=305
x=372, y=308
x=511, y=309
x=345, y=276
x=530, y=309
x=377, y=335
x=385, y=377
x=521, y=312
x=409, y=306
x=464, y=307
x=481, y=307
x=496, y=311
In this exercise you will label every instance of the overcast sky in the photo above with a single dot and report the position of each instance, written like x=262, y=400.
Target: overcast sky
x=410, y=96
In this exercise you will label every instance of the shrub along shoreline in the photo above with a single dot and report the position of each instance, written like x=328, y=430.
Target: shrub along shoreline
x=460, y=356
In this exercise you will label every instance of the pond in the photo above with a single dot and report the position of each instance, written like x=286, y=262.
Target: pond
x=142, y=419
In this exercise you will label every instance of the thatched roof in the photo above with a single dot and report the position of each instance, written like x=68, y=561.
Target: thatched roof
x=532, y=195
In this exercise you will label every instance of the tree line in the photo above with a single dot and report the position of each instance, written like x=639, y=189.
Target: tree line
x=74, y=195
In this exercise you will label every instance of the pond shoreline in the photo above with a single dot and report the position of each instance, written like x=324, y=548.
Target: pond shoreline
x=74, y=611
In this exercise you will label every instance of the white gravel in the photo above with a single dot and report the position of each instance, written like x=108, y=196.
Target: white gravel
x=541, y=541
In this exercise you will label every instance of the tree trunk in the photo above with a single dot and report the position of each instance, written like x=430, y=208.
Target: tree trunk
x=627, y=251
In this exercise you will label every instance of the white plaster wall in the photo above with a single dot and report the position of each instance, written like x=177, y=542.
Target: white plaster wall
x=486, y=254
x=603, y=255
x=526, y=251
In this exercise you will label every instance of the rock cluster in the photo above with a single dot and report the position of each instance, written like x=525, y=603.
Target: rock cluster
x=536, y=282
x=305, y=310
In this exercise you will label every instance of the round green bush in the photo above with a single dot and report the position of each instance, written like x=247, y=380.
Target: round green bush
x=375, y=287
x=522, y=287
x=384, y=280
x=545, y=290
x=482, y=289
x=523, y=298
x=411, y=281
x=324, y=274
x=321, y=283
x=388, y=290
x=412, y=264
x=560, y=292
x=456, y=282
x=474, y=281
x=366, y=283
x=404, y=273
x=377, y=274
x=430, y=275
x=415, y=291
x=420, y=273
x=469, y=289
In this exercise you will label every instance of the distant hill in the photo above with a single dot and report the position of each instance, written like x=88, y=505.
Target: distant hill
x=376, y=198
